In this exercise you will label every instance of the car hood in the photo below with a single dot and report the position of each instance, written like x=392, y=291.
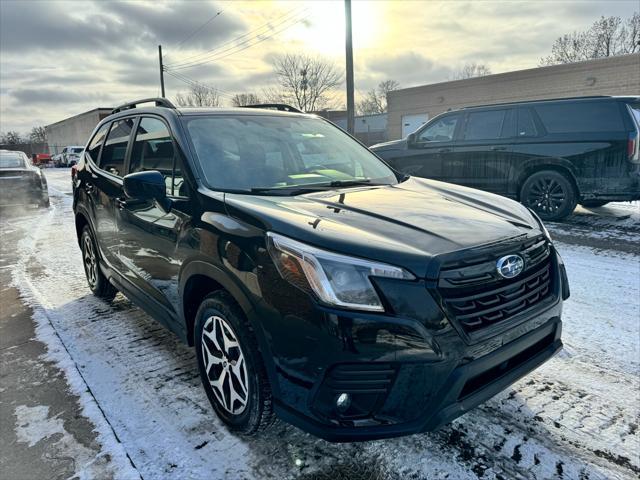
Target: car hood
x=405, y=224
x=392, y=145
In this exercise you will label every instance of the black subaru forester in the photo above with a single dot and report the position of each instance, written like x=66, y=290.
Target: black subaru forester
x=316, y=283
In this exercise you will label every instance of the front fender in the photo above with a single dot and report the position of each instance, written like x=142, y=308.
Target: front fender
x=200, y=266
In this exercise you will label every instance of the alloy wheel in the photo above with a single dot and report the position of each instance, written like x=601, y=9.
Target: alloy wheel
x=90, y=261
x=546, y=195
x=225, y=365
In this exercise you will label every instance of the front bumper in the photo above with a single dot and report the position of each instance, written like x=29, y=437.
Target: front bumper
x=408, y=372
x=465, y=387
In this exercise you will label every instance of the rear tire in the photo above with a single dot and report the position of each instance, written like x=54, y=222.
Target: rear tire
x=231, y=367
x=98, y=283
x=593, y=203
x=550, y=194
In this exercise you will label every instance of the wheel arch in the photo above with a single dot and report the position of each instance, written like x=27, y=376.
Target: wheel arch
x=198, y=279
x=81, y=220
x=555, y=164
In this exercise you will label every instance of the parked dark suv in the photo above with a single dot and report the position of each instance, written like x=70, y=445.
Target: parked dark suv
x=314, y=281
x=549, y=155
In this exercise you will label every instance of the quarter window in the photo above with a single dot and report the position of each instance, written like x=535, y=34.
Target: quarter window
x=93, y=150
x=484, y=125
x=526, y=125
x=115, y=148
x=581, y=117
x=441, y=130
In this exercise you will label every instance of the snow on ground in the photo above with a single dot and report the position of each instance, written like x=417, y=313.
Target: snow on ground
x=576, y=417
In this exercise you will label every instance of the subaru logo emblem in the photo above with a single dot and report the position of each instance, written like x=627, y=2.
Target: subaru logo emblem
x=510, y=266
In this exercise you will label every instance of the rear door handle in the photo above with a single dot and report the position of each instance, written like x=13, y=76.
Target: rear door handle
x=498, y=149
x=444, y=150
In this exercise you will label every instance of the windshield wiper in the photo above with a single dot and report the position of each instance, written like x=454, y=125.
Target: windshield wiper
x=312, y=187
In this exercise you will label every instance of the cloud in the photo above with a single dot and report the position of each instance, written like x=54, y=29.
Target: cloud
x=59, y=58
x=410, y=69
x=41, y=96
x=73, y=26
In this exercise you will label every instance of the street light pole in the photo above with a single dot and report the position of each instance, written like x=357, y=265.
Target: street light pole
x=161, y=70
x=349, y=55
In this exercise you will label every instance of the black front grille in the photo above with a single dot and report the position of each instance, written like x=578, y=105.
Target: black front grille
x=477, y=297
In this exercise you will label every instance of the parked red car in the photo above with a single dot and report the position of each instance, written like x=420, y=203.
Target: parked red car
x=40, y=158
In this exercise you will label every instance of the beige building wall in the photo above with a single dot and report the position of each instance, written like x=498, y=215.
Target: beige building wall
x=74, y=130
x=608, y=76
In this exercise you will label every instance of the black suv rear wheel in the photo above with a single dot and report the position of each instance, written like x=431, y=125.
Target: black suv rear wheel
x=98, y=283
x=550, y=194
x=231, y=368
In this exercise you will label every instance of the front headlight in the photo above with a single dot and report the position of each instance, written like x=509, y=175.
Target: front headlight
x=336, y=279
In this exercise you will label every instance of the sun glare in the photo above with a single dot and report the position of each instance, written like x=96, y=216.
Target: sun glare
x=325, y=28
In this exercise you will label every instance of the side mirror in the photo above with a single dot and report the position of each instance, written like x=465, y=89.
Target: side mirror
x=147, y=185
x=411, y=139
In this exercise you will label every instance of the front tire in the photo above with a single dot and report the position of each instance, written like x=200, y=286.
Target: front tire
x=231, y=368
x=98, y=283
x=550, y=194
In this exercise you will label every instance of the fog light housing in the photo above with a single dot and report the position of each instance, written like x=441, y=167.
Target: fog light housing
x=343, y=402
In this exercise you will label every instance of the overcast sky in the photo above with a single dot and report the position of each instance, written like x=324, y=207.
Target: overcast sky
x=62, y=58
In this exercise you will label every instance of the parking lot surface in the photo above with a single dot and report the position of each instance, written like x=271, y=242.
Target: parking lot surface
x=137, y=389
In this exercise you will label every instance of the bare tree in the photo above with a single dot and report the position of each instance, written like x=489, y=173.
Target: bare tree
x=11, y=138
x=470, y=70
x=304, y=81
x=38, y=135
x=242, y=99
x=375, y=100
x=606, y=37
x=199, y=95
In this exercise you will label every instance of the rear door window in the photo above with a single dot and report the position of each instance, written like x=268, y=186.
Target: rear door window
x=485, y=125
x=93, y=150
x=583, y=117
x=115, y=148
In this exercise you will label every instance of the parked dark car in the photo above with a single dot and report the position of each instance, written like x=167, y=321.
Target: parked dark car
x=20, y=182
x=315, y=282
x=549, y=155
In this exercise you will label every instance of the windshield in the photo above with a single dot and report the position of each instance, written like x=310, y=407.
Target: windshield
x=263, y=152
x=11, y=160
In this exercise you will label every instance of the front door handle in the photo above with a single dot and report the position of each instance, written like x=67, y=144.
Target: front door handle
x=498, y=149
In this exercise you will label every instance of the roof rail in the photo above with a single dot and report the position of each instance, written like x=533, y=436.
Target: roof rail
x=281, y=107
x=160, y=102
x=586, y=97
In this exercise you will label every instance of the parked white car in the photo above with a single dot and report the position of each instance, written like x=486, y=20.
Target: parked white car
x=69, y=156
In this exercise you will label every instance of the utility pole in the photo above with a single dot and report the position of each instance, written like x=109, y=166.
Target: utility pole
x=161, y=70
x=349, y=45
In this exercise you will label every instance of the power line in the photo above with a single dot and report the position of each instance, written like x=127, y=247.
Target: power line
x=198, y=56
x=192, y=83
x=291, y=19
x=192, y=34
x=238, y=50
